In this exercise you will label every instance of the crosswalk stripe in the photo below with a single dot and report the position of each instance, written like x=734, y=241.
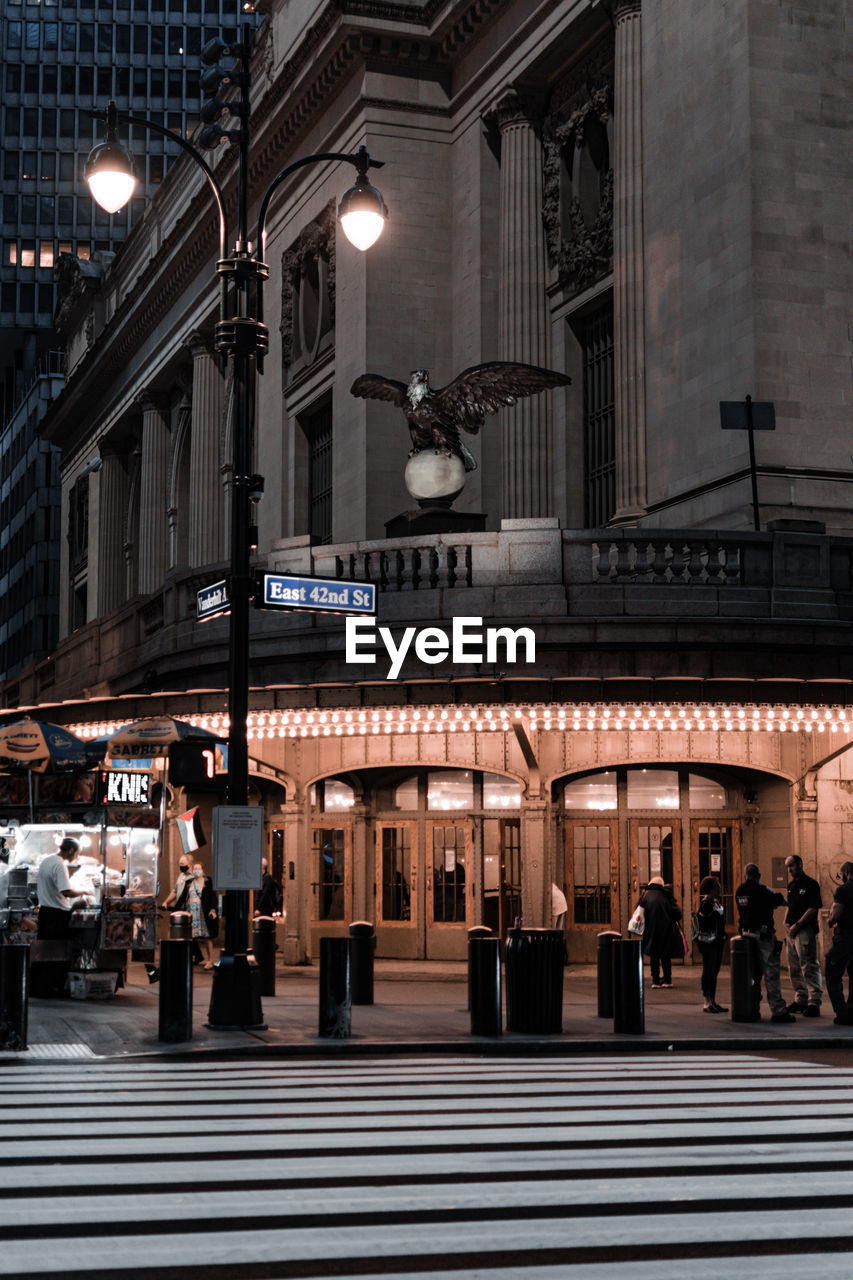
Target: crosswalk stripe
x=527, y=1169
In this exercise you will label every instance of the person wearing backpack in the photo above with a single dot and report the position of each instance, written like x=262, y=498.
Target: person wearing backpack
x=756, y=904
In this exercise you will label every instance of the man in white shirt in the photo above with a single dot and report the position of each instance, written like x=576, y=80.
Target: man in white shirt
x=55, y=894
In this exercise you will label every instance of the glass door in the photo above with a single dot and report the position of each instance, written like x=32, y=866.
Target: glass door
x=591, y=882
x=715, y=851
x=396, y=887
x=655, y=850
x=332, y=885
x=501, y=878
x=448, y=888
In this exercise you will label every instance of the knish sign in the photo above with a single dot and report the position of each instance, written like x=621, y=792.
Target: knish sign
x=121, y=786
x=468, y=642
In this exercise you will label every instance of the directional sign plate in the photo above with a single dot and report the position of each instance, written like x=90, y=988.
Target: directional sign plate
x=212, y=601
x=327, y=595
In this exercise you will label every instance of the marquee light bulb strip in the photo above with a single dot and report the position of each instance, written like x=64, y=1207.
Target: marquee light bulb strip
x=699, y=717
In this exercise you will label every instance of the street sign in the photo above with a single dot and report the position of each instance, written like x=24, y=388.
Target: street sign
x=747, y=415
x=212, y=601
x=328, y=595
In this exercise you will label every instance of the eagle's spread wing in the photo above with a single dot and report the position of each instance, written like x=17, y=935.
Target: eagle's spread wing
x=373, y=386
x=485, y=388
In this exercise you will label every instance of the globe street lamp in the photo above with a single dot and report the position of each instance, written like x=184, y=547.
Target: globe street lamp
x=242, y=335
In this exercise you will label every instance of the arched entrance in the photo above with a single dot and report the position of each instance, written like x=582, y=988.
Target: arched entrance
x=624, y=825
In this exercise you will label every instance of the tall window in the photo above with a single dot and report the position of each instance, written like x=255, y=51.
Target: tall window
x=599, y=418
x=318, y=430
x=396, y=873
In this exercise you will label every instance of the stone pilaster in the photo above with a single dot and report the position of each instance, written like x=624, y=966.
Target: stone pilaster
x=206, y=514
x=628, y=272
x=296, y=819
x=526, y=431
x=153, y=498
x=536, y=883
x=112, y=519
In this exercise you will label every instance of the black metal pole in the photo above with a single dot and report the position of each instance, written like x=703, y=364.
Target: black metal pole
x=752, y=468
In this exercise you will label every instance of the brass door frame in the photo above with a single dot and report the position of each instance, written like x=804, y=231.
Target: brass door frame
x=733, y=825
x=429, y=827
x=414, y=881
x=656, y=820
x=344, y=825
x=569, y=826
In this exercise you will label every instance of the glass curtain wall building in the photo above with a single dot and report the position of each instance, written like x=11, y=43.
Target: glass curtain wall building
x=58, y=62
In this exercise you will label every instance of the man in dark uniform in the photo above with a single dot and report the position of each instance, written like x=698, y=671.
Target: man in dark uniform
x=840, y=954
x=756, y=904
x=801, y=924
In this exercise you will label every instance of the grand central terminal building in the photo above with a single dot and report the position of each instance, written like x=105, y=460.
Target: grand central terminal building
x=652, y=667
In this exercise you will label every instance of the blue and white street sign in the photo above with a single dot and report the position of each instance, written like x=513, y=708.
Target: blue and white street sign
x=212, y=601
x=329, y=595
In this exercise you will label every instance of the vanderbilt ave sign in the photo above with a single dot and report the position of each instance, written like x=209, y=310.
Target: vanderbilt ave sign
x=468, y=642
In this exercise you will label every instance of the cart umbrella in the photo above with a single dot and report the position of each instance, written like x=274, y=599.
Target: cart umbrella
x=40, y=747
x=149, y=737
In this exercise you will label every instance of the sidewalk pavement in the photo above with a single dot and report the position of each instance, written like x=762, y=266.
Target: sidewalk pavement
x=419, y=1007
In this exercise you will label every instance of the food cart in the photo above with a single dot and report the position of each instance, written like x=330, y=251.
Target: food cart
x=117, y=828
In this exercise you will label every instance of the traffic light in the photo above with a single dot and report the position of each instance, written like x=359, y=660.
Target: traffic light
x=212, y=81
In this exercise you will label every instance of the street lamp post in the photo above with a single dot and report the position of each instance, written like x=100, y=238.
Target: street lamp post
x=241, y=335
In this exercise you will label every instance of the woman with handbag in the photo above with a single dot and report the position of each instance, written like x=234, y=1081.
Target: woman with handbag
x=660, y=930
x=710, y=930
x=202, y=907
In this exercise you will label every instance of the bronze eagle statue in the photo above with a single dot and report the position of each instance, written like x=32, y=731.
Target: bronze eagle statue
x=435, y=415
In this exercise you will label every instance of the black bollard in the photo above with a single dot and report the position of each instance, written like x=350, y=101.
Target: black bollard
x=263, y=949
x=484, y=984
x=176, y=991
x=477, y=931
x=335, y=991
x=628, y=1011
x=605, y=973
x=14, y=995
x=362, y=947
x=180, y=926
x=746, y=980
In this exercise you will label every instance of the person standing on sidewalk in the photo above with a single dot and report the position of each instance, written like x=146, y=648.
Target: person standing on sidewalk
x=662, y=914
x=801, y=924
x=756, y=904
x=840, y=954
x=711, y=938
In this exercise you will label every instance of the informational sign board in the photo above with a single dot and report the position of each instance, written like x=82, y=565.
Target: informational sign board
x=123, y=786
x=238, y=841
x=212, y=601
x=327, y=595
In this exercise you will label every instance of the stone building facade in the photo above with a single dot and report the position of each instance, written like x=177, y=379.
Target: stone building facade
x=648, y=199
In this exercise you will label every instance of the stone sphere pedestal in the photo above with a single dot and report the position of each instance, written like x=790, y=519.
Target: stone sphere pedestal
x=434, y=480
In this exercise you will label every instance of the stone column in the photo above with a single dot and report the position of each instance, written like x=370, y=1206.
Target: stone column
x=153, y=497
x=526, y=432
x=206, y=514
x=112, y=519
x=536, y=885
x=296, y=817
x=628, y=273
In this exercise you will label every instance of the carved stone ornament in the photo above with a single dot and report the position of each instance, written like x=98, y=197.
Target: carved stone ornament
x=316, y=242
x=580, y=249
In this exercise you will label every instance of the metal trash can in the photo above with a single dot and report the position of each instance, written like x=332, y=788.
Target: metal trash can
x=604, y=960
x=176, y=991
x=484, y=983
x=180, y=926
x=263, y=949
x=534, y=981
x=745, y=979
x=628, y=1010
x=14, y=995
x=335, y=990
x=362, y=947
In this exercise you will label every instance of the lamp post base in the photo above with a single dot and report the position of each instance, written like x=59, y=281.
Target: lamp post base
x=235, y=997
